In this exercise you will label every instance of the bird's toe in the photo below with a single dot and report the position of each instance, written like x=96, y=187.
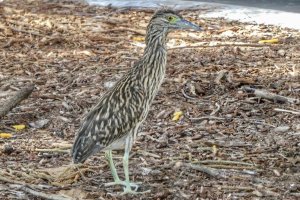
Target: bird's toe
x=135, y=186
x=134, y=192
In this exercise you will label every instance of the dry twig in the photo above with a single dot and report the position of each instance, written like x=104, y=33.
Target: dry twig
x=225, y=162
x=231, y=167
x=15, y=100
x=287, y=111
x=227, y=187
x=269, y=95
x=204, y=169
x=220, y=45
x=57, y=150
x=44, y=195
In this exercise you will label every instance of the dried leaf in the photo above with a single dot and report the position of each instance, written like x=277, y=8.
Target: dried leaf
x=272, y=41
x=214, y=149
x=177, y=115
x=19, y=127
x=5, y=135
x=138, y=39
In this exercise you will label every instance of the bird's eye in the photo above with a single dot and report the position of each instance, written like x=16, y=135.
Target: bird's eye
x=171, y=18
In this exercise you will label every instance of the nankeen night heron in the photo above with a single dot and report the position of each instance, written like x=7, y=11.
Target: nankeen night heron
x=113, y=123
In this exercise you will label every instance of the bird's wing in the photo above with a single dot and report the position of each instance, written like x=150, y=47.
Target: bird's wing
x=113, y=117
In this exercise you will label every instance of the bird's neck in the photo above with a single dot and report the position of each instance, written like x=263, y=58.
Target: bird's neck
x=153, y=62
x=155, y=40
x=155, y=52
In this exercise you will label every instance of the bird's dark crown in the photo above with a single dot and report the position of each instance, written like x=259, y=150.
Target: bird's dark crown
x=165, y=20
x=165, y=11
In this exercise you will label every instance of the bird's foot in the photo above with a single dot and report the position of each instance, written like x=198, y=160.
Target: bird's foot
x=128, y=190
x=123, y=183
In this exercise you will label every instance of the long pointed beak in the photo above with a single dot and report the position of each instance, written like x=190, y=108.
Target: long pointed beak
x=184, y=24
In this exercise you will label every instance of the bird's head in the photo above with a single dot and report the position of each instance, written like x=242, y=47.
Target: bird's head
x=170, y=20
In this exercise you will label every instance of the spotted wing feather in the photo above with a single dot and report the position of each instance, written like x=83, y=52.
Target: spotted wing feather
x=112, y=118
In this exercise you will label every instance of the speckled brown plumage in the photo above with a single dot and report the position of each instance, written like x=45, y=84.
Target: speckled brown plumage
x=123, y=108
x=113, y=123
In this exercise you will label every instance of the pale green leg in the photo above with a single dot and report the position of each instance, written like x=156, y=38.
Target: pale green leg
x=108, y=155
x=117, y=181
x=128, y=189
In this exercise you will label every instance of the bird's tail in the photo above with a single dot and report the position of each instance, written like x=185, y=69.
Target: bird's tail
x=83, y=147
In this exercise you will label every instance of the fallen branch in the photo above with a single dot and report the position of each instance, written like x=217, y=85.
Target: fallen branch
x=227, y=187
x=220, y=45
x=232, y=167
x=269, y=95
x=224, y=162
x=204, y=169
x=44, y=195
x=15, y=100
x=287, y=111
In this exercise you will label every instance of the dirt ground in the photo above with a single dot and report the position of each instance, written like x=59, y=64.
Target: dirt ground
x=236, y=138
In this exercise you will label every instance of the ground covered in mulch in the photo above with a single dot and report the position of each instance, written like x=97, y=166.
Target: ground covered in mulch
x=231, y=141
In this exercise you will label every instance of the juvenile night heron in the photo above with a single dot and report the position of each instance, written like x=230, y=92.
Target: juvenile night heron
x=113, y=123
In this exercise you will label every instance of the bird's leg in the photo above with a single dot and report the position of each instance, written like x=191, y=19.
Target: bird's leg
x=117, y=181
x=108, y=155
x=127, y=189
x=125, y=163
